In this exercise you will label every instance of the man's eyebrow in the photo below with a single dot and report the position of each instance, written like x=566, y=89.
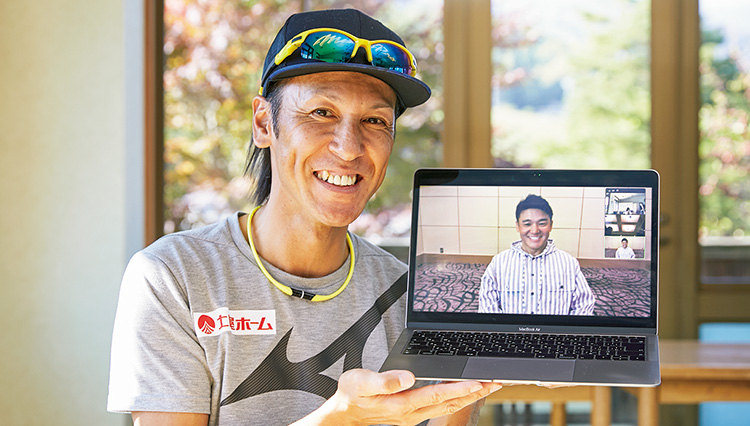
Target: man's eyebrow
x=335, y=97
x=384, y=105
x=531, y=221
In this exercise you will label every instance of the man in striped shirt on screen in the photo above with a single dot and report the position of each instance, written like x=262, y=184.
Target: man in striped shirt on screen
x=533, y=276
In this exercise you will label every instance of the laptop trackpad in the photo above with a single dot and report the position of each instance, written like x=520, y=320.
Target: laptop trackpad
x=551, y=370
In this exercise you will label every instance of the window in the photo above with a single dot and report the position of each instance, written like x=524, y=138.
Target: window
x=571, y=84
x=724, y=191
x=214, y=57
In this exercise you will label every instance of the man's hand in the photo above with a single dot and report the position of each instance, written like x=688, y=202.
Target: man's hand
x=365, y=397
x=145, y=418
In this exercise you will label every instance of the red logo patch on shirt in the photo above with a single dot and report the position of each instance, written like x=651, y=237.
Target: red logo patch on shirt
x=225, y=320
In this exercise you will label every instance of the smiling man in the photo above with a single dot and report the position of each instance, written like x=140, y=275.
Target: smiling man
x=624, y=252
x=533, y=276
x=280, y=316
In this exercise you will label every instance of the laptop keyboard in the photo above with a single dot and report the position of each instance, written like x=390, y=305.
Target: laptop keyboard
x=520, y=345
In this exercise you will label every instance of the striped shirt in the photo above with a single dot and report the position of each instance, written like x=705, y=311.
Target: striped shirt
x=552, y=283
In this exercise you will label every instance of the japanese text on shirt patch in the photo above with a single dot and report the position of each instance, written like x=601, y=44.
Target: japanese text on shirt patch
x=225, y=320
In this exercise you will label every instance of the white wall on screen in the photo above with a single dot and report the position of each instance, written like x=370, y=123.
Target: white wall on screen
x=480, y=240
x=481, y=221
x=437, y=238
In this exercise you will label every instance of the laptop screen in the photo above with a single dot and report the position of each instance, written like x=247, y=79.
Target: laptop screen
x=523, y=246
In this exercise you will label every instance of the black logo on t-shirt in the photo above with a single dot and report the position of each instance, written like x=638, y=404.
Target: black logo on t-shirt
x=276, y=372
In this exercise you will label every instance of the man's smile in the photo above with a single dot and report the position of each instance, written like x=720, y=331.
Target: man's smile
x=334, y=179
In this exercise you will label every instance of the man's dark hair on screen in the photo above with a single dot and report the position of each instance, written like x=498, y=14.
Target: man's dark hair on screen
x=533, y=202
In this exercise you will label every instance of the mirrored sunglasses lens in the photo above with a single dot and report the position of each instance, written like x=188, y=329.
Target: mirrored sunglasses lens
x=391, y=57
x=327, y=46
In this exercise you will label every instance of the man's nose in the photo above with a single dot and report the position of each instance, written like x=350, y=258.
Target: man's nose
x=347, y=141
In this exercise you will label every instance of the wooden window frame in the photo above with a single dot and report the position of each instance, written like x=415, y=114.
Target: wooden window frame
x=153, y=132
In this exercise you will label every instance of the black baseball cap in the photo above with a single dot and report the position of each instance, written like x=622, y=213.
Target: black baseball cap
x=409, y=90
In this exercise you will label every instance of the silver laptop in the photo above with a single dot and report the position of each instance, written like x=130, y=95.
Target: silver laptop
x=565, y=293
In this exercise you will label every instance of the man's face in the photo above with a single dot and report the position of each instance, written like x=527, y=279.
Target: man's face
x=336, y=133
x=534, y=227
x=624, y=244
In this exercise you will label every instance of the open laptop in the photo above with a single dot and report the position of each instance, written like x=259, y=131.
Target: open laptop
x=509, y=327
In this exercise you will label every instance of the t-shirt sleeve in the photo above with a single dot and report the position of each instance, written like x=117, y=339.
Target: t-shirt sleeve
x=157, y=363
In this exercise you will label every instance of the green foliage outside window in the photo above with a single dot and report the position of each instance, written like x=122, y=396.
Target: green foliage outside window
x=725, y=142
x=574, y=91
x=214, y=53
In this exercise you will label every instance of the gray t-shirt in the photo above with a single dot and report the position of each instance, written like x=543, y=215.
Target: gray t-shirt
x=200, y=329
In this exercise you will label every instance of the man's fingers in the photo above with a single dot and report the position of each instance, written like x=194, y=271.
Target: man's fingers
x=554, y=386
x=451, y=398
x=389, y=397
x=438, y=394
x=365, y=383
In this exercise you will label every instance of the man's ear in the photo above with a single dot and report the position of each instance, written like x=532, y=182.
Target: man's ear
x=262, y=123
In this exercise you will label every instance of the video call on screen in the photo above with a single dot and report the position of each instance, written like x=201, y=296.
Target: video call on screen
x=461, y=228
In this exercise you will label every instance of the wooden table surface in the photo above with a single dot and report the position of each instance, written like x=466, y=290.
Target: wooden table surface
x=685, y=359
x=691, y=373
x=694, y=372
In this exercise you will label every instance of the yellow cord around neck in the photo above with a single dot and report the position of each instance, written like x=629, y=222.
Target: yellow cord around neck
x=293, y=291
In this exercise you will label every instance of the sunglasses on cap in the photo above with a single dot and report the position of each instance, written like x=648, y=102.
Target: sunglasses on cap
x=336, y=46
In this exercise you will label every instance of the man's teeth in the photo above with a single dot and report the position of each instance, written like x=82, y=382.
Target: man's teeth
x=337, y=180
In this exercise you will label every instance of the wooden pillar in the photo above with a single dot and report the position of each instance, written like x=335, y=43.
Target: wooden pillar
x=467, y=87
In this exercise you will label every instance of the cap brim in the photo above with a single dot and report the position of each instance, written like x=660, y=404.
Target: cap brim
x=410, y=91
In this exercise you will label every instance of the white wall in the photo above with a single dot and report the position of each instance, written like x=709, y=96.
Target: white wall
x=62, y=207
x=481, y=220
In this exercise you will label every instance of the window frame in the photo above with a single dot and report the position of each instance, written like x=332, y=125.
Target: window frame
x=153, y=110
x=685, y=302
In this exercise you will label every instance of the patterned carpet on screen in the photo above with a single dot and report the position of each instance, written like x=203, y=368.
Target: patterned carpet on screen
x=454, y=287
